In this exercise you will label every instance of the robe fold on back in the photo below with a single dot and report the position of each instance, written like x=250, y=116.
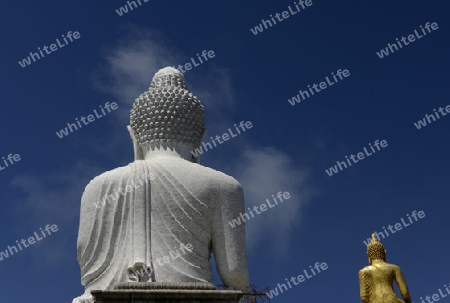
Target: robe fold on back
x=148, y=214
x=376, y=286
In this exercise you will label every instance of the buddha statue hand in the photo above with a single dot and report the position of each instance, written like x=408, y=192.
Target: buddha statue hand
x=140, y=272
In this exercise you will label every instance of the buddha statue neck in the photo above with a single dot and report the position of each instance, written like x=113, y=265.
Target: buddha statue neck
x=167, y=150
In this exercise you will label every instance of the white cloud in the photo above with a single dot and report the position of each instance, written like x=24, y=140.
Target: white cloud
x=52, y=199
x=131, y=64
x=264, y=172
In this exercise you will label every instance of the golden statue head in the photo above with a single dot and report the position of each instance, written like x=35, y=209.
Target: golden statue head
x=375, y=250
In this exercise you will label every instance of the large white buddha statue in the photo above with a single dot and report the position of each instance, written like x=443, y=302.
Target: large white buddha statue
x=183, y=204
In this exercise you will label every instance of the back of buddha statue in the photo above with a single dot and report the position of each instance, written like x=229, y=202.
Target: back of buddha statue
x=381, y=277
x=170, y=223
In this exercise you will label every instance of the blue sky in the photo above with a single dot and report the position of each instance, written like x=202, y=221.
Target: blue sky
x=250, y=78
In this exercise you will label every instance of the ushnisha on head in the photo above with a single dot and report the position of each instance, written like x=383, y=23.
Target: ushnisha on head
x=168, y=115
x=376, y=250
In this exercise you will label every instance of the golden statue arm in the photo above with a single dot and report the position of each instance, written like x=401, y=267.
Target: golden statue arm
x=364, y=286
x=401, y=283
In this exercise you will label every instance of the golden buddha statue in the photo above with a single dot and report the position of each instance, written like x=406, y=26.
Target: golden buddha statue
x=376, y=280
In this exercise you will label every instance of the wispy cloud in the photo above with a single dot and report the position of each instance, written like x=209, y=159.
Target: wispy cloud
x=263, y=172
x=130, y=65
x=52, y=199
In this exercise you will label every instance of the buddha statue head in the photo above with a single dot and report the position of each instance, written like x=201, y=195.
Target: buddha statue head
x=375, y=250
x=167, y=116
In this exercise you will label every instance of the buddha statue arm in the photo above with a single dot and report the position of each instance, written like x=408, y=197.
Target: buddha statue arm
x=364, y=286
x=228, y=243
x=401, y=283
x=90, y=196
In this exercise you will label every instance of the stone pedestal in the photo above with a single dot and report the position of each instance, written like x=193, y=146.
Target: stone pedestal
x=153, y=292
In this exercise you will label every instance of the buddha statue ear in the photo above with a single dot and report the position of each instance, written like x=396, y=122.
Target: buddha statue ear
x=205, y=131
x=197, y=159
x=138, y=155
